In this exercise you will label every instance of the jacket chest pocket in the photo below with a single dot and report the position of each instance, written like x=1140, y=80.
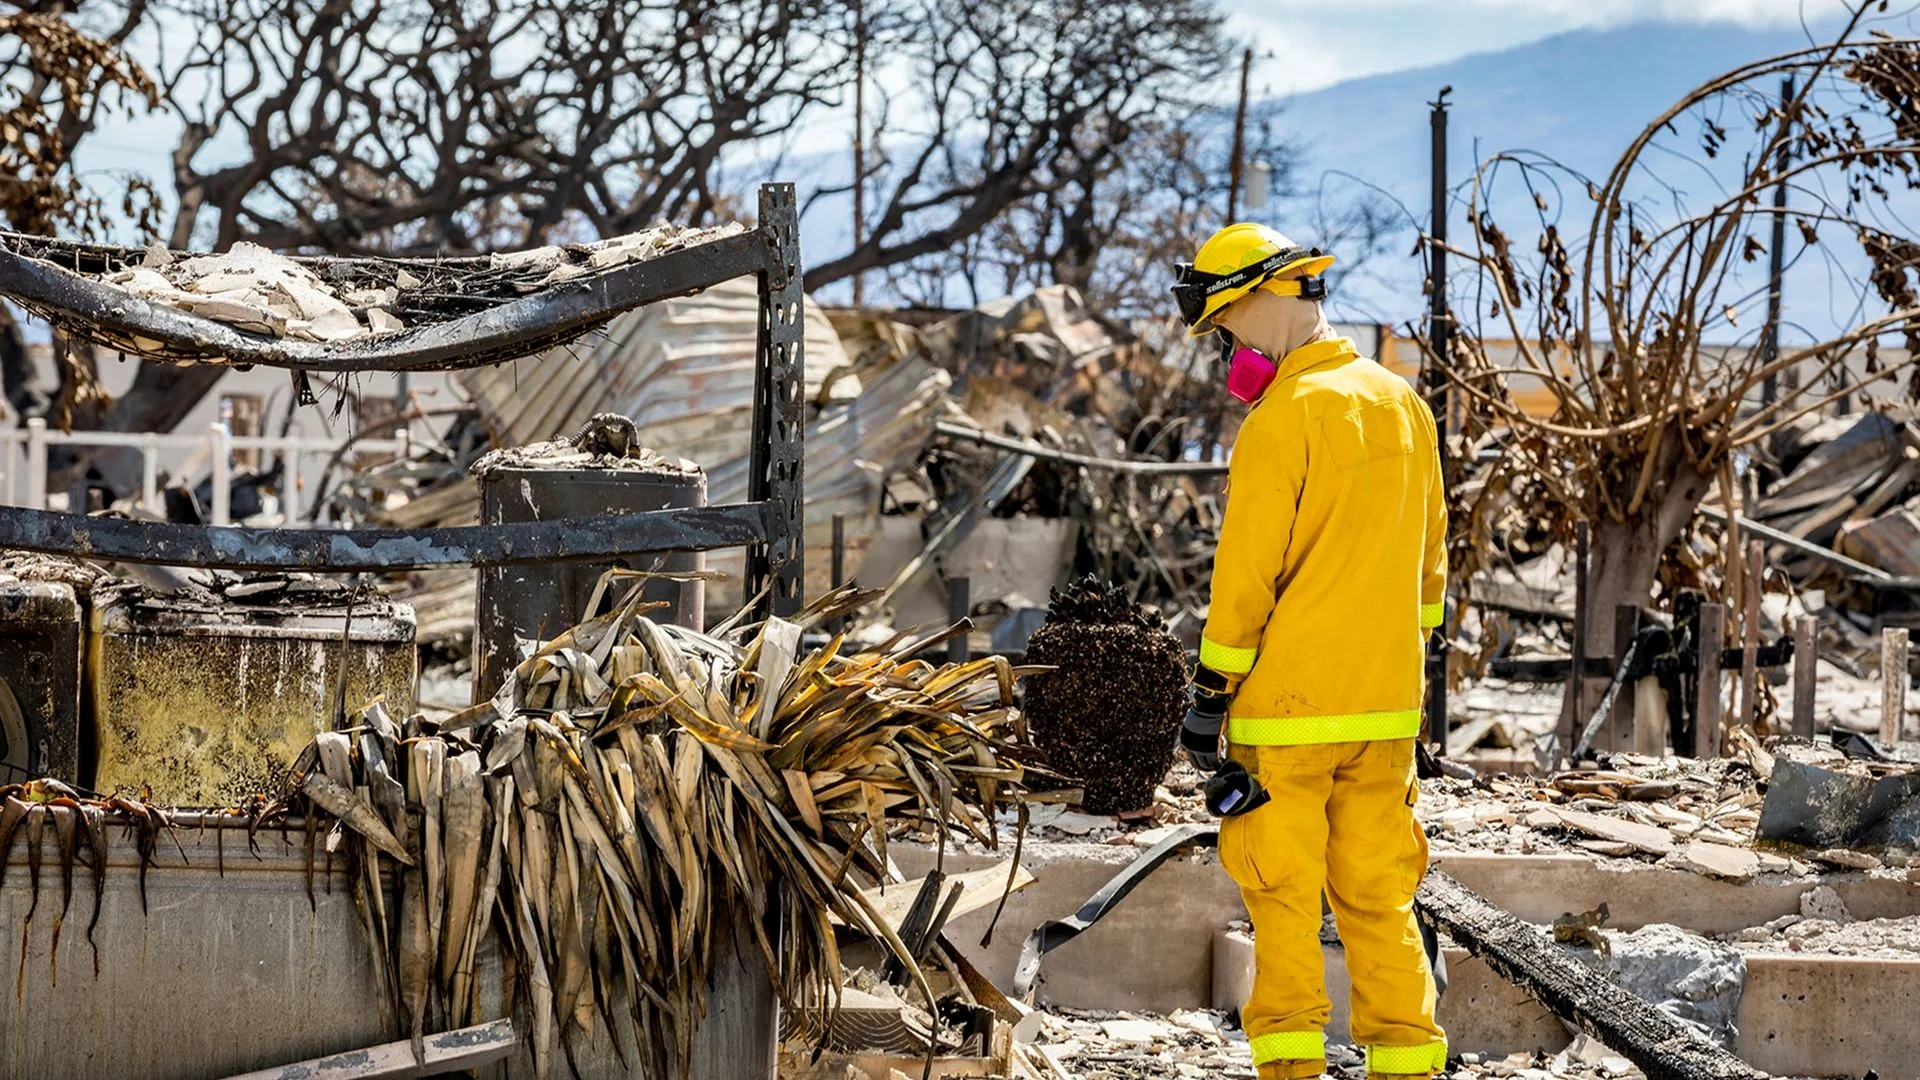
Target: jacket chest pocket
x=1368, y=433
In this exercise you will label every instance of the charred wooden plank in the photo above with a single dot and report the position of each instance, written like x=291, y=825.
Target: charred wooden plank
x=1662, y=1046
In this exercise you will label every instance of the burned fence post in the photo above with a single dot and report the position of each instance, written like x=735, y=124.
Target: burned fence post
x=1750, y=634
x=838, y=567
x=1893, y=683
x=1574, y=713
x=1806, y=655
x=1440, y=330
x=1626, y=627
x=1706, y=723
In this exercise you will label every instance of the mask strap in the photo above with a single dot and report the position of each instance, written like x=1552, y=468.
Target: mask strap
x=1307, y=288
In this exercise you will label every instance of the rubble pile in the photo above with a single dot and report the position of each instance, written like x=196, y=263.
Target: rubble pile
x=1849, y=483
x=1046, y=370
x=1189, y=1045
x=340, y=300
x=1639, y=807
x=1824, y=926
x=1704, y=817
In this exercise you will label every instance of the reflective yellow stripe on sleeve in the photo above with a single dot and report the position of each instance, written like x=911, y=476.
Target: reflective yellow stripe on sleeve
x=1404, y=1060
x=1225, y=659
x=1432, y=615
x=1312, y=730
x=1288, y=1046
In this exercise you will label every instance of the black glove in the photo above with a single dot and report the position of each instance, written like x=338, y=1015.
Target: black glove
x=1200, y=738
x=1233, y=791
x=1200, y=731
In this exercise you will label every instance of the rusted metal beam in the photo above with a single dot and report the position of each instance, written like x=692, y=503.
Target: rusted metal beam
x=1804, y=547
x=516, y=328
x=1665, y=1048
x=603, y=536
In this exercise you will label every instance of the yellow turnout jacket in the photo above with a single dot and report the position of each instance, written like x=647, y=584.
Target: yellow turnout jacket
x=1332, y=563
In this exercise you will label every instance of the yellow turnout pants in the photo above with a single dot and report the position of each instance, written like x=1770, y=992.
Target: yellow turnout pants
x=1340, y=823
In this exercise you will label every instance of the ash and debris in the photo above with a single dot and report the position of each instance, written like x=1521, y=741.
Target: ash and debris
x=216, y=591
x=193, y=589
x=1824, y=927
x=254, y=289
x=1674, y=813
x=1191, y=1044
x=50, y=569
x=605, y=442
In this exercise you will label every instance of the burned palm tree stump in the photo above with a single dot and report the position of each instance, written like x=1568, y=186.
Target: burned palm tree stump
x=1109, y=713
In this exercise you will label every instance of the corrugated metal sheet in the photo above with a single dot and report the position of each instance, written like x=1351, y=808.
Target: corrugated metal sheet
x=851, y=447
x=683, y=370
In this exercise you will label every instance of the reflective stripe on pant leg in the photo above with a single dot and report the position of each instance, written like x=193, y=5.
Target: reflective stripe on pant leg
x=1288, y=1046
x=1376, y=855
x=1277, y=855
x=1407, y=1060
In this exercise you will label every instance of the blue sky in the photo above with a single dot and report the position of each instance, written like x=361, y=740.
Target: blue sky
x=1301, y=46
x=1386, y=56
x=1305, y=45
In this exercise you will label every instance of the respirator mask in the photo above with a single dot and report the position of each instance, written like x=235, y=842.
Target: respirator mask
x=1249, y=371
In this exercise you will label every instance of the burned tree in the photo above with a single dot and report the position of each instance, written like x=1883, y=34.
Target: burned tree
x=1591, y=364
x=1023, y=125
x=440, y=125
x=1108, y=712
x=59, y=81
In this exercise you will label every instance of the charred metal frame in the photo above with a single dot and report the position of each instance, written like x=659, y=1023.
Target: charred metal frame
x=516, y=328
x=769, y=524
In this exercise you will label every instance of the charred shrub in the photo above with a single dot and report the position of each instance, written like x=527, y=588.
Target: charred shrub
x=1109, y=714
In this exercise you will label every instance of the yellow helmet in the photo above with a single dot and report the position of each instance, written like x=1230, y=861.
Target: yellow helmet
x=1235, y=261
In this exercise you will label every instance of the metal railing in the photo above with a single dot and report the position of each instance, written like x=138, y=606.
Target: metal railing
x=219, y=443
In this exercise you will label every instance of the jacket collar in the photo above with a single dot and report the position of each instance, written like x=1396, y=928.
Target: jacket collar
x=1316, y=354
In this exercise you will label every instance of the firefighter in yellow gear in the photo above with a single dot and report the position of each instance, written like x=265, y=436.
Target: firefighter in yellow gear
x=1329, y=575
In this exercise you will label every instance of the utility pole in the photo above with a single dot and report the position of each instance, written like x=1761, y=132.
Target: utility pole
x=1239, y=138
x=1440, y=329
x=859, y=141
x=1776, y=256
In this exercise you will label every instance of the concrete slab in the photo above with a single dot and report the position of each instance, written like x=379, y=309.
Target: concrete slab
x=1799, y=1015
x=1151, y=952
x=1830, y=1016
x=1480, y=1011
x=1539, y=888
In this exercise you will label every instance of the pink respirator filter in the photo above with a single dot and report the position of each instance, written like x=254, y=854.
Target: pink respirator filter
x=1249, y=373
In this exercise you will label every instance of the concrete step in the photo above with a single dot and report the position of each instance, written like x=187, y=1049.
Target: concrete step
x=1800, y=1015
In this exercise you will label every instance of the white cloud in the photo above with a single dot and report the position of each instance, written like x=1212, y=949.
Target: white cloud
x=1308, y=44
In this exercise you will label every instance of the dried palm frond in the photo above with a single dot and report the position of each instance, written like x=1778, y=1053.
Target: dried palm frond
x=636, y=793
